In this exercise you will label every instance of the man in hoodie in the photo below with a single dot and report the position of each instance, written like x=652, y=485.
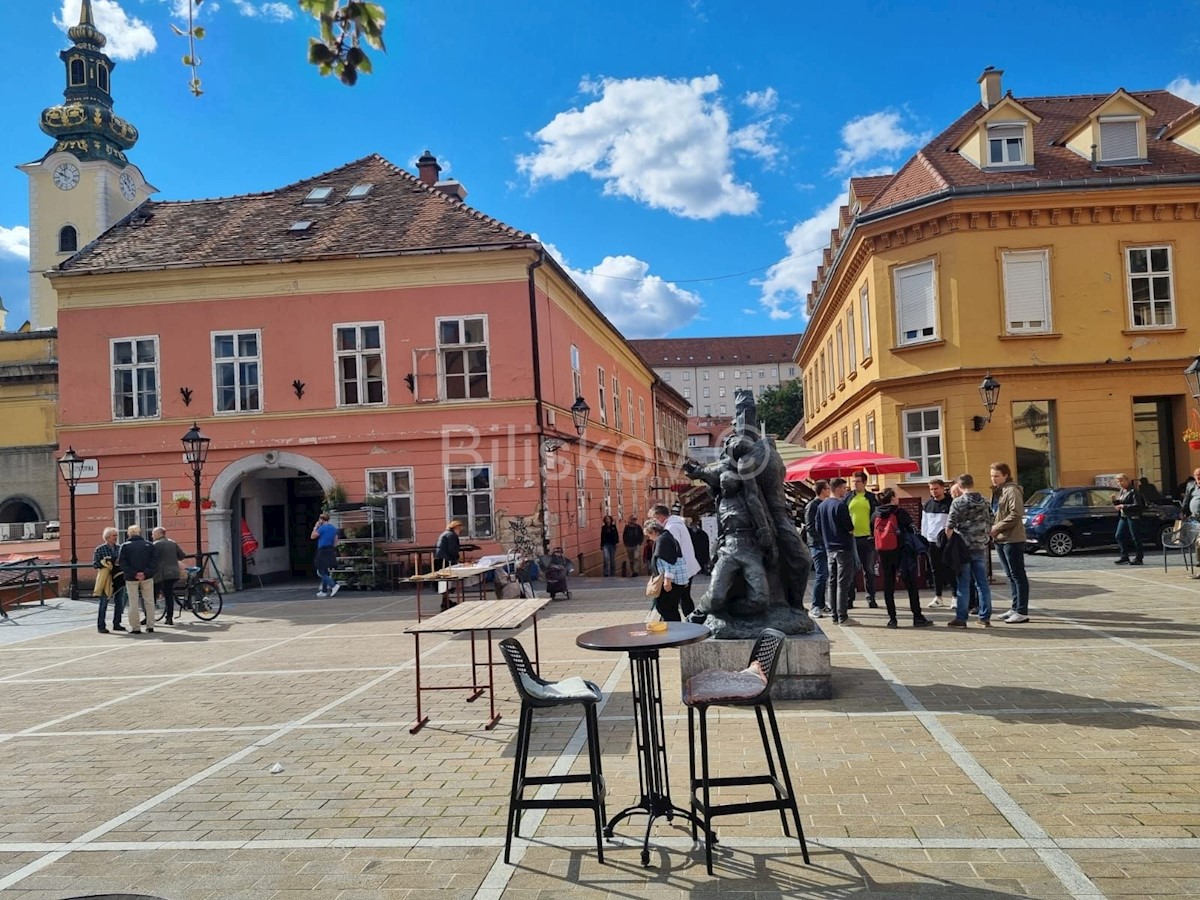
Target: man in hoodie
x=1009, y=531
x=934, y=514
x=816, y=545
x=971, y=519
x=679, y=530
x=837, y=531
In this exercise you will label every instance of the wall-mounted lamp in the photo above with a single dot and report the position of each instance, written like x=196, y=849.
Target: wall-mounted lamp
x=298, y=387
x=186, y=393
x=579, y=415
x=1192, y=376
x=989, y=390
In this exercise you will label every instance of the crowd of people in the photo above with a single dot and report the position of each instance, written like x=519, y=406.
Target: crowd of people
x=129, y=574
x=851, y=530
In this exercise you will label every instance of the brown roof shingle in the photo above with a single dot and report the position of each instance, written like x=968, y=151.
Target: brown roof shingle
x=936, y=167
x=708, y=351
x=399, y=214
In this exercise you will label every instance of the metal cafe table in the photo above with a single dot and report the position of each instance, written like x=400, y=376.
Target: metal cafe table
x=457, y=577
x=473, y=616
x=653, y=779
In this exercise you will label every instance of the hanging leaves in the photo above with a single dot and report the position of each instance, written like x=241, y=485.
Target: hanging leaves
x=345, y=27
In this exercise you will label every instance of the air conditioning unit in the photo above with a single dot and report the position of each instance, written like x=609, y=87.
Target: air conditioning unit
x=271, y=458
x=10, y=531
x=32, y=530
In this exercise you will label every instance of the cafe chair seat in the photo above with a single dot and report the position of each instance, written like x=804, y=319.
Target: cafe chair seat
x=537, y=693
x=749, y=687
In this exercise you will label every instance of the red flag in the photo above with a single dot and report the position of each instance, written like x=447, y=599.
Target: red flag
x=249, y=544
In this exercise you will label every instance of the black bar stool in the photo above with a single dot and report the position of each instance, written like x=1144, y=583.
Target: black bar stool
x=537, y=693
x=750, y=687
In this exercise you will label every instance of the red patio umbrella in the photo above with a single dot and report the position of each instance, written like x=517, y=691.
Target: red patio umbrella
x=249, y=544
x=834, y=463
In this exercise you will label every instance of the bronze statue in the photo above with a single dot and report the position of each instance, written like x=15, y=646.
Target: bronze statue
x=762, y=565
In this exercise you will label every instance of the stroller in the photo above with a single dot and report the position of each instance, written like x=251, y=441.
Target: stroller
x=557, y=567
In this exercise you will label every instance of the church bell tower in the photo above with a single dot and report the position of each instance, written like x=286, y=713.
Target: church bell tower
x=85, y=182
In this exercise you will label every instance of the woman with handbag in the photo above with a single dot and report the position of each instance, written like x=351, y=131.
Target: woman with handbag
x=669, y=569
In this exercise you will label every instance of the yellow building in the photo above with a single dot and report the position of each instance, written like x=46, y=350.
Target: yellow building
x=28, y=399
x=1049, y=241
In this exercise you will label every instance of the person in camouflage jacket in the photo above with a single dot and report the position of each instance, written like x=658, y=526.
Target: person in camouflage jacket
x=971, y=519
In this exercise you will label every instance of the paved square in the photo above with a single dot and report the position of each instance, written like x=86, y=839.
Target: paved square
x=1055, y=759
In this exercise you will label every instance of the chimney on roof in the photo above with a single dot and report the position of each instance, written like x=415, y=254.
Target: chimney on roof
x=428, y=169
x=990, y=90
x=452, y=189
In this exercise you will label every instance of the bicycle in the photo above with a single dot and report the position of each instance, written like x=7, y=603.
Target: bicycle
x=200, y=595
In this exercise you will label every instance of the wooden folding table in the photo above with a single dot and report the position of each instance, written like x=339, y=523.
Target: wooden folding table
x=473, y=616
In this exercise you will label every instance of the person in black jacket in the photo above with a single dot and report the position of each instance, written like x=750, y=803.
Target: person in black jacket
x=700, y=546
x=816, y=545
x=934, y=515
x=138, y=561
x=667, y=552
x=446, y=553
x=837, y=533
x=609, y=538
x=1130, y=506
x=633, y=537
x=899, y=559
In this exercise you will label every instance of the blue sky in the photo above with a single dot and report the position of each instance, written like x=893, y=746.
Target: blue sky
x=684, y=159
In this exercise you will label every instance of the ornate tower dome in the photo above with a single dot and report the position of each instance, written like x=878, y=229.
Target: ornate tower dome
x=85, y=125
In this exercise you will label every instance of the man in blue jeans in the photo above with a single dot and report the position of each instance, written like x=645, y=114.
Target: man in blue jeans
x=1008, y=530
x=971, y=519
x=816, y=545
x=325, y=534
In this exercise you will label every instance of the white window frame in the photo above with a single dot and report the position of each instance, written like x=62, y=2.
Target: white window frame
x=1150, y=276
x=704, y=373
x=1036, y=323
x=841, y=354
x=236, y=361
x=666, y=376
x=707, y=392
x=146, y=513
x=391, y=493
x=1004, y=133
x=577, y=374
x=851, y=345
x=925, y=331
x=134, y=367
x=359, y=355
x=1137, y=138
x=687, y=375
x=723, y=410
x=642, y=417
x=721, y=390
x=871, y=433
x=603, y=404
x=465, y=348
x=721, y=375
x=629, y=409
x=864, y=303
x=616, y=402
x=580, y=496
x=857, y=435
x=468, y=519
x=924, y=457
x=606, y=478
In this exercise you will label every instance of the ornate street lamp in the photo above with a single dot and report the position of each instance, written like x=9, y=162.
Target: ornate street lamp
x=71, y=468
x=1192, y=376
x=579, y=415
x=989, y=390
x=195, y=451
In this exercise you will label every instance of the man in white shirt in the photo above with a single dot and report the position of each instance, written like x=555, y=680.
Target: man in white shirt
x=661, y=514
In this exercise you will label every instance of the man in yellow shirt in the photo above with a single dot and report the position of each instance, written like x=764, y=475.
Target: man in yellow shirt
x=861, y=503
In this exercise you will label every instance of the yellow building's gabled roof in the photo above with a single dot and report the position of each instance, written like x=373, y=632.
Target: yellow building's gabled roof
x=1120, y=94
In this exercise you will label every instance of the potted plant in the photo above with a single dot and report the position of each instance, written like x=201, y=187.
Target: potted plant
x=183, y=502
x=335, y=496
x=1192, y=437
x=206, y=503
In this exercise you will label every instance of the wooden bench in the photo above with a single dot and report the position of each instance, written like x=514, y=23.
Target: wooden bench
x=474, y=616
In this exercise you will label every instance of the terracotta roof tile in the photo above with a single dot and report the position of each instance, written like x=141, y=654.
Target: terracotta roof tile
x=935, y=167
x=399, y=214
x=708, y=351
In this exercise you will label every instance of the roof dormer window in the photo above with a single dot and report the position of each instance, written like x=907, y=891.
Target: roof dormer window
x=1119, y=138
x=1006, y=144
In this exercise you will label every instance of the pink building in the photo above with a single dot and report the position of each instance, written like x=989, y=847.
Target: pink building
x=365, y=330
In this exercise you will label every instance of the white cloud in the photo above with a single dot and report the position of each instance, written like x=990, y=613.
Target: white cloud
x=1186, y=88
x=880, y=134
x=761, y=102
x=128, y=37
x=664, y=143
x=276, y=12
x=639, y=304
x=788, y=282
x=14, y=241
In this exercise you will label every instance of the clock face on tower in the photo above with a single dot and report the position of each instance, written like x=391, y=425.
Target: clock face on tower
x=66, y=176
x=128, y=188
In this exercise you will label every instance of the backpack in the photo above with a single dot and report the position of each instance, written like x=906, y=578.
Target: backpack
x=887, y=532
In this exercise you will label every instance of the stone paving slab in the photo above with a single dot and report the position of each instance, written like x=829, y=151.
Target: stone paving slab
x=1049, y=760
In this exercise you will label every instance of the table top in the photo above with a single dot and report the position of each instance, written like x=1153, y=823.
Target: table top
x=461, y=572
x=636, y=637
x=482, y=615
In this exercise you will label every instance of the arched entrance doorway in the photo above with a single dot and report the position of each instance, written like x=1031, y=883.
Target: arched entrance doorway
x=16, y=510
x=278, y=494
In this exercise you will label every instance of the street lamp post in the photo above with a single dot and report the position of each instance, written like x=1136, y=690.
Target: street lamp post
x=580, y=412
x=989, y=391
x=71, y=469
x=195, y=451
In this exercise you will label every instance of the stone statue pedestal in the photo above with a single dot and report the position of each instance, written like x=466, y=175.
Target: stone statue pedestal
x=803, y=672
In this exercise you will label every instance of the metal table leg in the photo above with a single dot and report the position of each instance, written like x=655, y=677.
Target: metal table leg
x=421, y=720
